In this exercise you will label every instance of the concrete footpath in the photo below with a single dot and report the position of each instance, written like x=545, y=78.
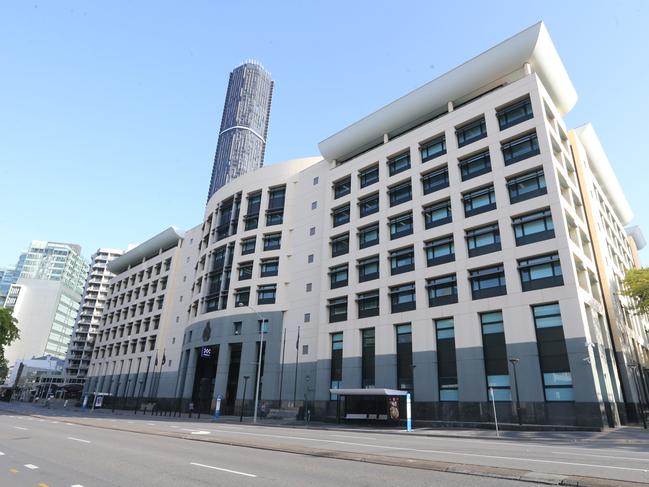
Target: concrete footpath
x=632, y=439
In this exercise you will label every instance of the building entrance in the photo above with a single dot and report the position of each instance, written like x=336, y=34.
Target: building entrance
x=233, y=378
x=204, y=378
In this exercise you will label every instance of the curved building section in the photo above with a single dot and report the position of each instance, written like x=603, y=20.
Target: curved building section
x=244, y=125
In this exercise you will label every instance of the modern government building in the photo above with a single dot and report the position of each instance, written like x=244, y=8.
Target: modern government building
x=460, y=243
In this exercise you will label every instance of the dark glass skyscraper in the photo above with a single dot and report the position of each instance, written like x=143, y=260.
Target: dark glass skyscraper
x=244, y=125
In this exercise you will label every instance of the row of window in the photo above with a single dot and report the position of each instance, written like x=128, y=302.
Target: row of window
x=552, y=355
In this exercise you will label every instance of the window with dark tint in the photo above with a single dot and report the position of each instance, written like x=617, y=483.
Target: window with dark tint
x=403, y=297
x=437, y=214
x=402, y=260
x=269, y=267
x=368, y=236
x=336, y=360
x=442, y=290
x=399, y=164
x=520, y=148
x=251, y=222
x=245, y=270
x=540, y=272
x=242, y=296
x=337, y=309
x=369, y=175
x=483, y=240
x=368, y=205
x=339, y=276
x=340, y=215
x=276, y=198
x=342, y=187
x=435, y=180
x=440, y=250
x=433, y=148
x=404, y=357
x=526, y=186
x=487, y=282
x=248, y=245
x=471, y=132
x=368, y=268
x=251, y=217
x=266, y=294
x=272, y=241
x=514, y=114
x=368, y=303
x=479, y=201
x=533, y=227
x=475, y=165
x=274, y=217
x=400, y=226
x=400, y=193
x=446, y=362
x=367, y=357
x=495, y=356
x=340, y=245
x=553, y=355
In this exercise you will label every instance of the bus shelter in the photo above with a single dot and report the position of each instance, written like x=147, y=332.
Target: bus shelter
x=388, y=405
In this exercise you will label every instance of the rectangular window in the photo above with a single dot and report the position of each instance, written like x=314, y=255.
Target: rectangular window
x=446, y=361
x=540, y=272
x=367, y=358
x=483, y=240
x=400, y=226
x=338, y=276
x=369, y=175
x=251, y=217
x=470, y=132
x=251, y=222
x=433, y=148
x=336, y=361
x=245, y=270
x=526, y=186
x=368, y=205
x=435, y=180
x=495, y=356
x=399, y=163
x=514, y=114
x=368, y=304
x=339, y=245
x=440, y=250
x=402, y=260
x=340, y=215
x=248, y=245
x=553, y=355
x=242, y=296
x=342, y=187
x=266, y=294
x=274, y=217
x=479, y=201
x=276, y=198
x=442, y=290
x=475, y=165
x=368, y=268
x=272, y=241
x=337, y=309
x=368, y=236
x=269, y=267
x=487, y=282
x=533, y=227
x=403, y=297
x=437, y=214
x=520, y=148
x=400, y=193
x=404, y=357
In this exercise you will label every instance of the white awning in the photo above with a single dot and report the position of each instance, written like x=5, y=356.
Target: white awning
x=368, y=392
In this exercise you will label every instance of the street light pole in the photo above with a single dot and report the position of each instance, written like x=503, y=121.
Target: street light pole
x=515, y=361
x=243, y=402
x=261, y=348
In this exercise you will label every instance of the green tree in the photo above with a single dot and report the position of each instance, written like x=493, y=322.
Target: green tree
x=8, y=333
x=636, y=286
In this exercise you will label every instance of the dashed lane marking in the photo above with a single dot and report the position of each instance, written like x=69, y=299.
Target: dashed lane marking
x=21, y=428
x=78, y=439
x=223, y=469
x=30, y=466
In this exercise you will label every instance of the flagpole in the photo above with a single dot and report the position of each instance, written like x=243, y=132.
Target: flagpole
x=281, y=372
x=143, y=386
x=297, y=359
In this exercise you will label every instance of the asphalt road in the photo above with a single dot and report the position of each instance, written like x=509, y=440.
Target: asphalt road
x=53, y=453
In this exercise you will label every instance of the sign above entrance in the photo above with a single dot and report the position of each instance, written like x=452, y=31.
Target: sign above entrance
x=206, y=352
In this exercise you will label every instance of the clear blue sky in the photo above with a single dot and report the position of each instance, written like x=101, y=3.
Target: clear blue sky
x=109, y=110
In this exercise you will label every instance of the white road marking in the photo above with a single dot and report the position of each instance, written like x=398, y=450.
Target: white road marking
x=77, y=439
x=30, y=466
x=201, y=432
x=223, y=469
x=174, y=426
x=151, y=424
x=600, y=456
x=76, y=485
x=54, y=422
x=21, y=428
x=1, y=454
x=353, y=437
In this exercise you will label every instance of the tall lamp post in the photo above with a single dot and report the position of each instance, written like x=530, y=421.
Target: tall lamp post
x=243, y=402
x=515, y=361
x=261, y=348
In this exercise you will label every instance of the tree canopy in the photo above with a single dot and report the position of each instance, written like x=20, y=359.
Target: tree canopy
x=8, y=333
x=636, y=286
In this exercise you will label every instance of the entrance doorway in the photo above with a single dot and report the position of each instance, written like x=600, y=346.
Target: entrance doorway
x=204, y=378
x=233, y=378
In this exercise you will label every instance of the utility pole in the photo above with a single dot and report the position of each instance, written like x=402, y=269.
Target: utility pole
x=243, y=402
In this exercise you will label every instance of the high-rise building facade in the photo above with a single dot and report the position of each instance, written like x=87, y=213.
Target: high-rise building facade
x=9, y=276
x=244, y=125
x=93, y=300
